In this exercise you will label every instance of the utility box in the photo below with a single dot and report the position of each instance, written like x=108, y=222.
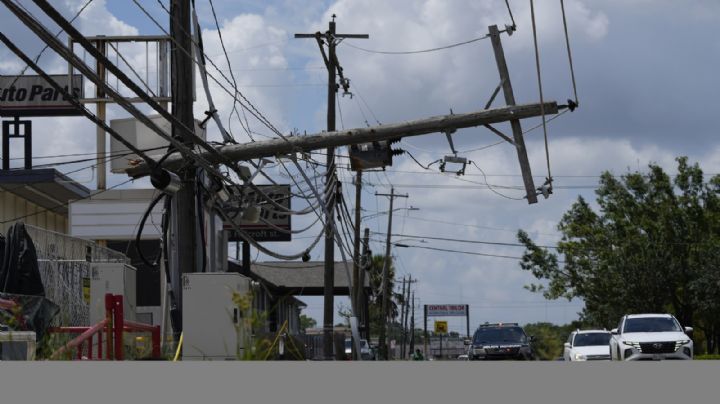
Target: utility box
x=17, y=345
x=213, y=326
x=114, y=278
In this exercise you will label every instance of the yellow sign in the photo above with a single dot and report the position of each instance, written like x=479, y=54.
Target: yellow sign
x=441, y=327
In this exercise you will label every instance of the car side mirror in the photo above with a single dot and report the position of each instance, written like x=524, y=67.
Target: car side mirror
x=467, y=342
x=567, y=345
x=532, y=338
x=614, y=331
x=688, y=330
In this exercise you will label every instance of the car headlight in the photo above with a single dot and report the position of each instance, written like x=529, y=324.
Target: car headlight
x=678, y=344
x=580, y=357
x=633, y=344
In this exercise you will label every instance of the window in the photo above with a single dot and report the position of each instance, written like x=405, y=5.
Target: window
x=499, y=335
x=592, y=339
x=652, y=324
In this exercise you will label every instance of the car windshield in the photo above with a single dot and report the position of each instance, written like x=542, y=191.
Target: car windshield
x=651, y=324
x=591, y=339
x=499, y=334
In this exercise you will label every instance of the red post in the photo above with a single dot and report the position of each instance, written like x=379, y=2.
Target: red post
x=109, y=303
x=79, y=351
x=156, y=342
x=119, y=327
x=90, y=347
x=100, y=351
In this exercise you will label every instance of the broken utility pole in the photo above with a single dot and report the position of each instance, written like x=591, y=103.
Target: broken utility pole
x=331, y=62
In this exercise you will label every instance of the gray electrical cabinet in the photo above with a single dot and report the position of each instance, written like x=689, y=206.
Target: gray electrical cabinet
x=213, y=326
x=115, y=278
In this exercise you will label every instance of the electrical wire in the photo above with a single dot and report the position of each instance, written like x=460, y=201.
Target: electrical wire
x=141, y=226
x=507, y=3
x=542, y=102
x=552, y=118
x=61, y=205
x=464, y=252
x=232, y=74
x=249, y=107
x=37, y=58
x=419, y=51
x=491, y=187
x=427, y=167
x=570, y=60
x=455, y=240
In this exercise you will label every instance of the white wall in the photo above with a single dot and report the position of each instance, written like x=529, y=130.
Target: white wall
x=115, y=215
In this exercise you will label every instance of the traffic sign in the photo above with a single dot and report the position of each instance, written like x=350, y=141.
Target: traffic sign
x=441, y=327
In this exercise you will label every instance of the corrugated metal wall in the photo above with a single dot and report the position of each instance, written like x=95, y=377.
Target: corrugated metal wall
x=13, y=207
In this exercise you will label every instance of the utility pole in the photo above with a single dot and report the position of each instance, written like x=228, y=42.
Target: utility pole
x=514, y=123
x=366, y=260
x=331, y=62
x=100, y=111
x=357, y=286
x=412, y=325
x=386, y=267
x=407, y=307
x=402, y=319
x=182, y=109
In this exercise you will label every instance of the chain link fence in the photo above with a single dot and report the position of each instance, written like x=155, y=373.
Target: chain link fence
x=64, y=264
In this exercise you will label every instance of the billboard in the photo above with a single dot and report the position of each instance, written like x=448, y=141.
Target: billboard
x=29, y=95
x=141, y=137
x=446, y=310
x=272, y=220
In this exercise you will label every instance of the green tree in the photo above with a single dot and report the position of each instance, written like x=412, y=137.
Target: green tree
x=307, y=322
x=375, y=300
x=652, y=246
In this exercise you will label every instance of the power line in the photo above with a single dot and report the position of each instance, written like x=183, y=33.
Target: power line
x=466, y=241
x=420, y=51
x=465, y=252
x=37, y=58
x=67, y=203
x=249, y=107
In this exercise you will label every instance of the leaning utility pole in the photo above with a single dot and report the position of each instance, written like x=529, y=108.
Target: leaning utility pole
x=184, y=208
x=514, y=123
x=331, y=62
x=386, y=267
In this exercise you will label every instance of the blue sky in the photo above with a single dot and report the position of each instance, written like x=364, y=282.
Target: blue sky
x=646, y=73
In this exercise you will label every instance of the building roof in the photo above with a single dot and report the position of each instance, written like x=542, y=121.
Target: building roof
x=45, y=187
x=300, y=278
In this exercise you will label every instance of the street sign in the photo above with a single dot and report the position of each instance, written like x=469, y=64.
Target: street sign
x=272, y=221
x=441, y=327
x=31, y=95
x=446, y=310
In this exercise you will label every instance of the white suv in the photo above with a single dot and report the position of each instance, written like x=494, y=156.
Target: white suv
x=650, y=337
x=587, y=345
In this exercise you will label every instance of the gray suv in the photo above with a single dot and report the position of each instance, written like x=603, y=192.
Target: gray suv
x=501, y=341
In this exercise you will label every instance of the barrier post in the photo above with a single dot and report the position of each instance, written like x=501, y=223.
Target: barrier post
x=119, y=327
x=109, y=303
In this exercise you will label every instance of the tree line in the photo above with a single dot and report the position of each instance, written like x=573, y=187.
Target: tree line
x=649, y=244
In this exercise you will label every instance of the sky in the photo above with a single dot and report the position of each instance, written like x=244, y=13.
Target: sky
x=646, y=84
